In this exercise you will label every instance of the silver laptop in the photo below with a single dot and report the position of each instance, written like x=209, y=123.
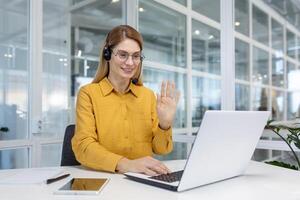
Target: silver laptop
x=222, y=149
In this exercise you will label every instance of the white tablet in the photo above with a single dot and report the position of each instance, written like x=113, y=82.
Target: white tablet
x=83, y=186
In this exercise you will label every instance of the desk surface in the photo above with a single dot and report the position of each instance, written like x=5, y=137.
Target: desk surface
x=261, y=181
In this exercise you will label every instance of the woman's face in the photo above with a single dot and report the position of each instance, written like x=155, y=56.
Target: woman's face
x=125, y=60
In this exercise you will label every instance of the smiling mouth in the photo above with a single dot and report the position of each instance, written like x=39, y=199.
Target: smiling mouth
x=127, y=70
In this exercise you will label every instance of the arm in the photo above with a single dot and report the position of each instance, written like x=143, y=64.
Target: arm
x=85, y=143
x=165, y=107
x=162, y=142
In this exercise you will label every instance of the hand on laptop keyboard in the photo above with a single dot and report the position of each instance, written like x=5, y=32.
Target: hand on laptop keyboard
x=146, y=165
x=171, y=177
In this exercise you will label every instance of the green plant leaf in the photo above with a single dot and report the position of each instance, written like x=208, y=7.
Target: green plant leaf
x=282, y=164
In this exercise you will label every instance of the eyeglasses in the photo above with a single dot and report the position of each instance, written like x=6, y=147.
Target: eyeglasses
x=124, y=55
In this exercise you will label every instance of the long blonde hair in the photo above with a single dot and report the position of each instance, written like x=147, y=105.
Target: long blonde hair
x=113, y=38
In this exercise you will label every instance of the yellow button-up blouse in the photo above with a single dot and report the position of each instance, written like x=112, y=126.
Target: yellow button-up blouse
x=110, y=125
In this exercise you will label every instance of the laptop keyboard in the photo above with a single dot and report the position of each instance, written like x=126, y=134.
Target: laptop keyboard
x=171, y=177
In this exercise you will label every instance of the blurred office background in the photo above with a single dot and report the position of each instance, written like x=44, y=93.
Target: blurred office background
x=233, y=54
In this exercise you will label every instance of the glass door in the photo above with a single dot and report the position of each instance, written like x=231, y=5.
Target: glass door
x=14, y=83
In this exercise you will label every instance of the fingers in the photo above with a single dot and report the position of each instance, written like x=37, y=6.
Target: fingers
x=173, y=93
x=168, y=89
x=150, y=166
x=158, y=99
x=163, y=89
x=161, y=165
x=158, y=166
x=149, y=172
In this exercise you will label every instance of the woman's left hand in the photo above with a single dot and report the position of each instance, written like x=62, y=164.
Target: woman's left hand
x=166, y=104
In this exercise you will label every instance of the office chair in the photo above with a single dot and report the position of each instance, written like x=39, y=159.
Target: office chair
x=67, y=156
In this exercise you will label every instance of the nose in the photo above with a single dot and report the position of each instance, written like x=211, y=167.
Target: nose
x=129, y=60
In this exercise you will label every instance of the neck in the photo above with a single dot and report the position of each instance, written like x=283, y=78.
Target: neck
x=120, y=85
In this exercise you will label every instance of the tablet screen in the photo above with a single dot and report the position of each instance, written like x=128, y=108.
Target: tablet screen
x=84, y=184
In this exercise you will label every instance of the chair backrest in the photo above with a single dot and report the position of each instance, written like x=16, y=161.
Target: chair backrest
x=67, y=156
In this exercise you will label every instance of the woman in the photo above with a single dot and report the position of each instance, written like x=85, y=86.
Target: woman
x=119, y=123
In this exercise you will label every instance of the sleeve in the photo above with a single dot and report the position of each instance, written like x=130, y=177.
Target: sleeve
x=85, y=143
x=162, y=139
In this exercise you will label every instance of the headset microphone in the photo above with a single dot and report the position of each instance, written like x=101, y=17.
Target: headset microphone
x=135, y=81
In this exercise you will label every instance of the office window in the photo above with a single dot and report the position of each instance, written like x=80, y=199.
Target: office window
x=164, y=39
x=209, y=8
x=242, y=60
x=183, y=2
x=260, y=155
x=242, y=97
x=292, y=80
x=205, y=48
x=76, y=1
x=298, y=49
x=290, y=44
x=50, y=155
x=293, y=105
x=14, y=70
x=277, y=105
x=14, y=158
x=206, y=95
x=55, y=75
x=180, y=152
x=241, y=22
x=277, y=36
x=277, y=71
x=152, y=79
x=260, y=66
x=289, y=10
x=260, y=25
x=260, y=99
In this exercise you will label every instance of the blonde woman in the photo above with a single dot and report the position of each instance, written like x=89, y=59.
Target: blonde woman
x=120, y=123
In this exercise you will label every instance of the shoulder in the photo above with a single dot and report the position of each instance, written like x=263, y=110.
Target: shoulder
x=146, y=92
x=88, y=89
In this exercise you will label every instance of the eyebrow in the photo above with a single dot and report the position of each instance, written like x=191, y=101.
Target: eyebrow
x=129, y=52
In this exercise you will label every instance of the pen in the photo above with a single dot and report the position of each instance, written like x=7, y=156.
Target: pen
x=51, y=180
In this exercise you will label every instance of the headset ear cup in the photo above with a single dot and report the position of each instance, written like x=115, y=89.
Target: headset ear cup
x=107, y=53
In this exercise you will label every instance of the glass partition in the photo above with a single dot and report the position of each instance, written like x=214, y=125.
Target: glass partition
x=205, y=48
x=206, y=95
x=291, y=44
x=278, y=105
x=14, y=69
x=209, y=8
x=242, y=60
x=277, y=36
x=260, y=98
x=242, y=97
x=292, y=76
x=14, y=158
x=241, y=13
x=50, y=155
x=293, y=105
x=278, y=71
x=260, y=66
x=260, y=25
x=164, y=39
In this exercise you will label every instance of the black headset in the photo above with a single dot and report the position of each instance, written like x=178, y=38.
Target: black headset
x=107, y=53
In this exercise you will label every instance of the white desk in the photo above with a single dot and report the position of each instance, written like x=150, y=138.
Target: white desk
x=261, y=181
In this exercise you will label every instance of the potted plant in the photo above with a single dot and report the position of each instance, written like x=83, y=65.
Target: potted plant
x=292, y=138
